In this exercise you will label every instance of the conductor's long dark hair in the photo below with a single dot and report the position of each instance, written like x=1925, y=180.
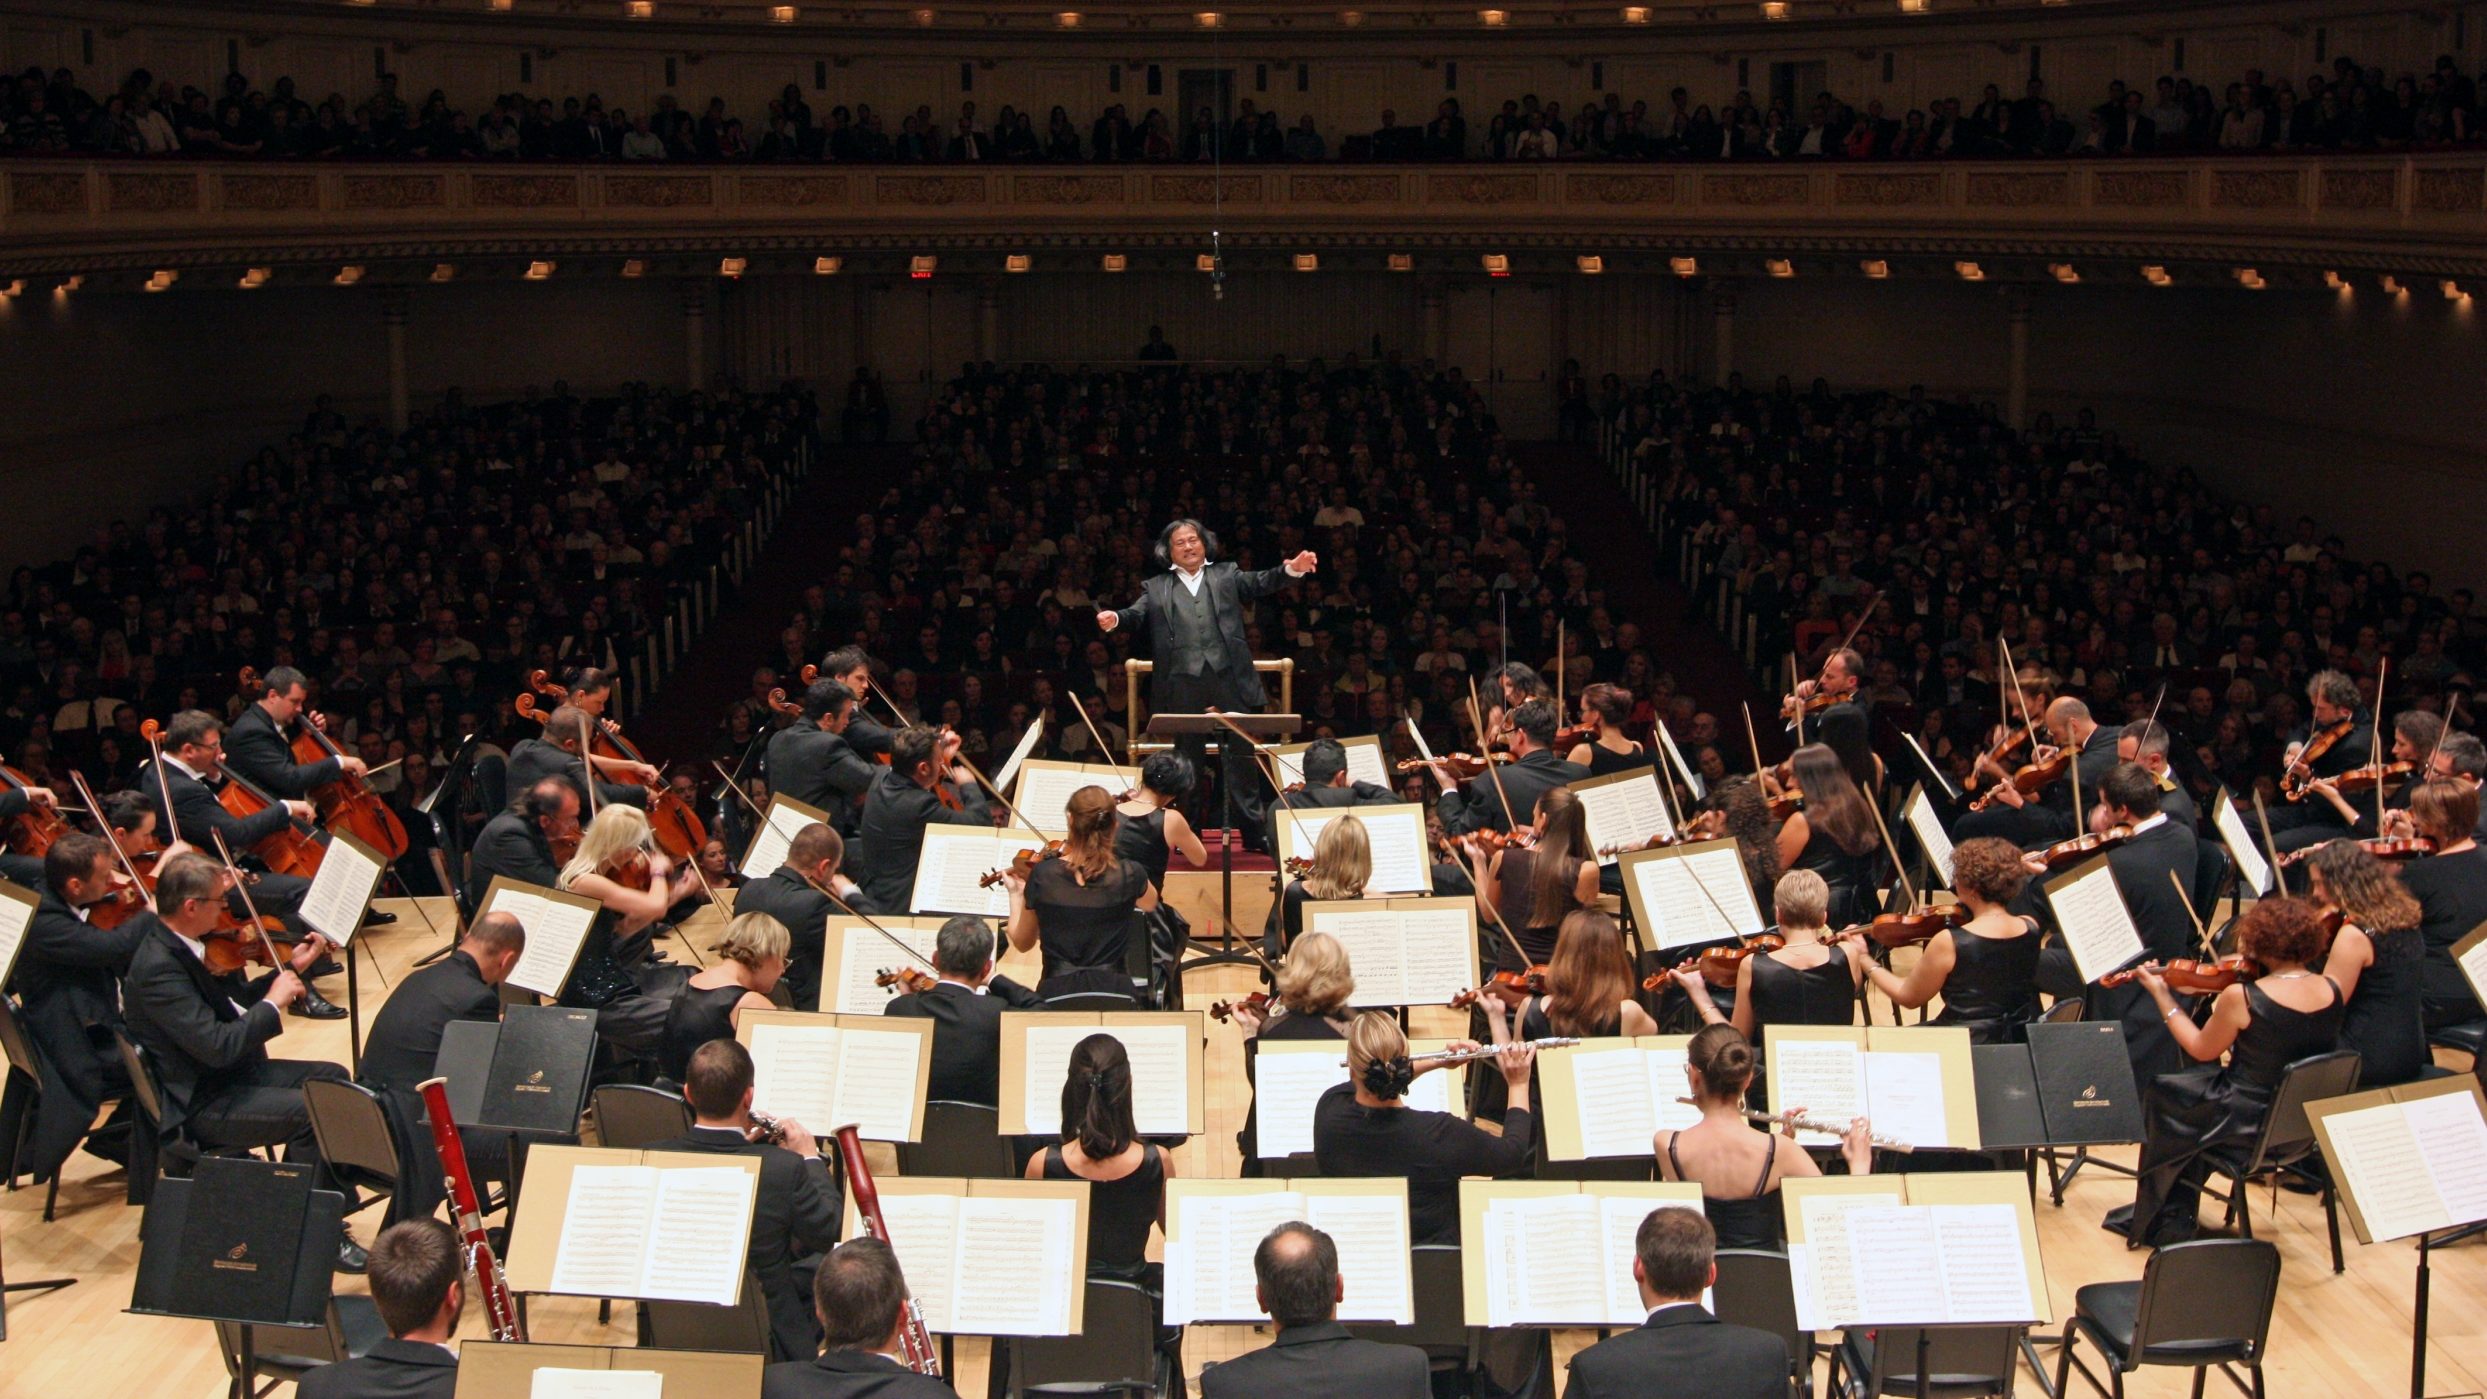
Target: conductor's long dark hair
x=1096, y=1098
x=1164, y=552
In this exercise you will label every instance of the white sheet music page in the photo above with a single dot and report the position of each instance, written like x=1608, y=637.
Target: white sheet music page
x=603, y=1247
x=1985, y=1278
x=1541, y=1267
x=1371, y=1232
x=923, y=1232
x=955, y=858
x=1899, y=1266
x=1161, y=1083
x=697, y=1235
x=1824, y=1077
x=1618, y=1112
x=1045, y=791
x=554, y=932
x=1285, y=1087
x=1624, y=813
x=340, y=892
x=1692, y=779
x=1375, y=941
x=2453, y=1139
x=1209, y=1256
x=875, y=1084
x=1904, y=1097
x=1823, y=1268
x=1921, y=818
x=2252, y=868
x=1396, y=837
x=17, y=913
x=2473, y=964
x=859, y=954
x=2097, y=927
x=1672, y=885
x=795, y=1073
x=1019, y=754
x=768, y=844
x=1013, y=1271
x=554, y=1382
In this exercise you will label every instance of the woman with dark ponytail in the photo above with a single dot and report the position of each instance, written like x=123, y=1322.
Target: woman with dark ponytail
x=1362, y=1128
x=1738, y=1167
x=1100, y=1145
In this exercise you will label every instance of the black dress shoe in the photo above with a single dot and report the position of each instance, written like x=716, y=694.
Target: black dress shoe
x=351, y=1256
x=377, y=918
x=314, y=1006
x=325, y=966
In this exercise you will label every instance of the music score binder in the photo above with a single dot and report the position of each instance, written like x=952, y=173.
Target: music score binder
x=785, y=819
x=953, y=1269
x=1981, y=1270
x=879, y=1068
x=1926, y=1105
x=557, y=924
x=541, y=1219
x=1418, y=951
x=1666, y=891
x=2070, y=1085
x=1167, y=1101
x=1611, y=1069
x=1622, y=808
x=537, y=1081
x=1498, y=1265
x=506, y=1369
x=208, y=1251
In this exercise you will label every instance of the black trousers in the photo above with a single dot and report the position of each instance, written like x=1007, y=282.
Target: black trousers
x=263, y=1106
x=1239, y=771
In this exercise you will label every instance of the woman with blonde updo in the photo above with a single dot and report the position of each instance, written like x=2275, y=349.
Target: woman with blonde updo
x=751, y=956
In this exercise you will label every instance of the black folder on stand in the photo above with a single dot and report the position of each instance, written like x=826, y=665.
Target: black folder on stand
x=242, y=1241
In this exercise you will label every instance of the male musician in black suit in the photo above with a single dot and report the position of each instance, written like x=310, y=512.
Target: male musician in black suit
x=2146, y=741
x=418, y=1285
x=206, y=1036
x=851, y=666
x=405, y=1036
x=2311, y=819
x=518, y=842
x=793, y=894
x=1312, y=1356
x=2047, y=817
x=1533, y=771
x=1196, y=613
x=1327, y=785
x=810, y=761
x=258, y=750
x=556, y=754
x=2148, y=867
x=68, y=980
x=1681, y=1351
x=795, y=1211
x=966, y=1011
x=890, y=839
x=860, y=1297
x=1843, y=678
x=187, y=781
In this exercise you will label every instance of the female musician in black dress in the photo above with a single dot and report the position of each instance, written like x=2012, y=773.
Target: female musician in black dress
x=2287, y=1013
x=1589, y=984
x=2377, y=960
x=1746, y=815
x=1833, y=835
x=1342, y=865
x=1532, y=889
x=1314, y=984
x=1609, y=708
x=1363, y=1128
x=751, y=956
x=1078, y=907
x=1101, y=1145
x=1985, y=969
x=636, y=885
x=1738, y=1167
x=1148, y=829
x=1807, y=982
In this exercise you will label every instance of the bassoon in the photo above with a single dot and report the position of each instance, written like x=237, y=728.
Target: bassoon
x=922, y=1357
x=499, y=1308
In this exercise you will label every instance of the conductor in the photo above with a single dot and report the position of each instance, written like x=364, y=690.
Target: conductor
x=1195, y=615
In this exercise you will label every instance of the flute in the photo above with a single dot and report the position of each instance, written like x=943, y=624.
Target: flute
x=1487, y=1051
x=1809, y=1124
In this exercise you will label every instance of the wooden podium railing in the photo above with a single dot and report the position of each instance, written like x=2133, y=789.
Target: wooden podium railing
x=1134, y=746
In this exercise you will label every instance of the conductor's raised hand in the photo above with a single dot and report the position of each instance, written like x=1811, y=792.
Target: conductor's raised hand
x=1303, y=563
x=1108, y=621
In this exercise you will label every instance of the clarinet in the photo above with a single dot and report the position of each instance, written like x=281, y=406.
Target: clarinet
x=499, y=1308
x=922, y=1357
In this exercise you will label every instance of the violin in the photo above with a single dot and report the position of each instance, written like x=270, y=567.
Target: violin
x=347, y=803
x=1257, y=1002
x=2031, y=778
x=1789, y=802
x=1021, y=864
x=2371, y=776
x=1508, y=985
x=1905, y=929
x=910, y=981
x=1299, y=866
x=1517, y=838
x=2300, y=770
x=2187, y=976
x=633, y=870
x=2013, y=741
x=32, y=831
x=678, y=829
x=1700, y=826
x=2082, y=847
x=1463, y=766
x=2387, y=848
x=1566, y=740
x=1719, y=966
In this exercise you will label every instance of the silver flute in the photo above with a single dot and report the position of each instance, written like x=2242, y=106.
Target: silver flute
x=1488, y=1051
x=1809, y=1124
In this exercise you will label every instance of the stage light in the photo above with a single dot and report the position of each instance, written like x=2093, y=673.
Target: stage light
x=163, y=278
x=1114, y=262
x=1780, y=267
x=1209, y=19
x=2392, y=286
x=1066, y=19
x=1684, y=266
x=1017, y=262
x=827, y=266
x=1308, y=262
x=444, y=271
x=2156, y=275
x=1636, y=14
x=1969, y=271
x=2064, y=272
x=1496, y=264
x=639, y=9
x=14, y=289
x=349, y=274
x=1493, y=19
x=2334, y=280
x=539, y=271
x=2249, y=279
x=922, y=266
x=633, y=267
x=732, y=266
x=1916, y=7
x=253, y=278
x=2453, y=291
x=1775, y=9
x=1590, y=264
x=1875, y=268
x=1205, y=262
x=1402, y=262
x=785, y=14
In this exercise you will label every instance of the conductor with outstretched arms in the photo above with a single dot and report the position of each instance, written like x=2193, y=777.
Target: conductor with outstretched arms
x=1195, y=613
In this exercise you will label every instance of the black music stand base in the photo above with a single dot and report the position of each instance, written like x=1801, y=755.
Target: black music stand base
x=1197, y=952
x=2418, y=1330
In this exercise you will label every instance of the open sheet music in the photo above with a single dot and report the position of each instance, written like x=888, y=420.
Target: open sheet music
x=17, y=911
x=1406, y=952
x=1165, y=1053
x=1559, y=1255
x=1364, y=761
x=1045, y=787
x=554, y=1382
x=989, y=1258
x=1003, y=775
x=856, y=954
x=1914, y=1083
x=1214, y=1226
x=2091, y=917
x=827, y=1070
x=2252, y=869
x=2470, y=955
x=955, y=857
x=1690, y=893
x=1937, y=842
x=1622, y=808
x=1912, y=1250
x=557, y=924
x=1395, y=833
x=1289, y=1077
x=786, y=818
x=340, y=892
x=1613, y=1096
x=672, y=1233
x=2411, y=1159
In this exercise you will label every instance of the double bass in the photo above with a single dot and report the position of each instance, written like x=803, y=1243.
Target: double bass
x=347, y=803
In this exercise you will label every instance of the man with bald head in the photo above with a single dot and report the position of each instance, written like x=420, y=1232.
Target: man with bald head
x=405, y=1036
x=2047, y=816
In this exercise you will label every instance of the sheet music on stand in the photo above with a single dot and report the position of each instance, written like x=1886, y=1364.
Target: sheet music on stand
x=1931, y=770
x=2408, y=1160
x=954, y=858
x=340, y=893
x=2091, y=918
x=17, y=913
x=988, y=1257
x=1213, y=1226
x=1046, y=785
x=1365, y=762
x=1665, y=889
x=1935, y=1249
x=2470, y=955
x=786, y=819
x=660, y=1225
x=2253, y=871
x=1289, y=1077
x=1623, y=808
x=1395, y=832
x=1917, y=1083
x=857, y=953
x=1165, y=1048
x=1610, y=1097
x=871, y=1070
x=1675, y=756
x=1003, y=775
x=1558, y=1253
x=1920, y=815
x=556, y=923
x=1406, y=952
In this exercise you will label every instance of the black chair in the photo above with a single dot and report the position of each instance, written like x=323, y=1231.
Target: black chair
x=1295, y=1165
x=2470, y=1037
x=1115, y=1352
x=491, y=773
x=742, y=1327
x=629, y=1116
x=2198, y=1304
x=284, y=1354
x=1755, y=1289
x=352, y=1128
x=25, y=1058
x=2210, y=876
x=960, y=1139
x=151, y=1147
x=1962, y=1362
x=2286, y=1143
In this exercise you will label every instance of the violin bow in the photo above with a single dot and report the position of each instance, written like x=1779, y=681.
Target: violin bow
x=2374, y=734
x=163, y=784
x=112, y=838
x=1103, y=749
x=1559, y=639
x=737, y=789
x=243, y=889
x=1793, y=682
x=874, y=924
x=587, y=768
x=1267, y=764
x=1755, y=740
x=1476, y=717
x=987, y=783
x=1508, y=936
x=1894, y=851
x=2199, y=930
x=2270, y=846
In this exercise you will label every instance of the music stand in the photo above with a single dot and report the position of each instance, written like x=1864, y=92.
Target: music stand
x=1264, y=730
x=205, y=1238
x=7, y=1287
x=453, y=779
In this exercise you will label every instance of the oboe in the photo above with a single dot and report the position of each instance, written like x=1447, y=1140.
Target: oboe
x=917, y=1338
x=1809, y=1124
x=499, y=1309
x=765, y=1128
x=1487, y=1051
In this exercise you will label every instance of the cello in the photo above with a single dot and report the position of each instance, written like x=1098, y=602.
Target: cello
x=348, y=803
x=294, y=848
x=675, y=823
x=32, y=831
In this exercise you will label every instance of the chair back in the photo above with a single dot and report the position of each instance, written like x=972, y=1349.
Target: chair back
x=1092, y=1000
x=1441, y=1325
x=1755, y=1289
x=2209, y=1296
x=1961, y=1361
x=18, y=1046
x=1295, y=1165
x=742, y=1327
x=352, y=1128
x=2064, y=1012
x=629, y=1116
x=2287, y=1133
x=1117, y=1345
x=144, y=1089
x=960, y=1139
x=491, y=772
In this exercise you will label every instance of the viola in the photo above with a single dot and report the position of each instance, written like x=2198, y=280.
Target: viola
x=1257, y=1002
x=911, y=981
x=2031, y=778
x=348, y=803
x=234, y=944
x=1719, y=966
x=2300, y=769
x=1463, y=766
x=1905, y=929
x=677, y=827
x=1507, y=985
x=2187, y=976
x=2082, y=847
x=1022, y=864
x=32, y=831
x=2371, y=776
